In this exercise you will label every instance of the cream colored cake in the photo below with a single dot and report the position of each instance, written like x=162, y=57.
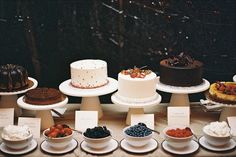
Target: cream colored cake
x=139, y=86
x=88, y=73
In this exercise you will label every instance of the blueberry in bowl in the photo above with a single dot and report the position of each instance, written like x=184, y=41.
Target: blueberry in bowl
x=137, y=135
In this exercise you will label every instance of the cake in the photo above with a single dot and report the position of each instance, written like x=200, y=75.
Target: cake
x=43, y=96
x=88, y=73
x=136, y=85
x=224, y=92
x=13, y=77
x=181, y=70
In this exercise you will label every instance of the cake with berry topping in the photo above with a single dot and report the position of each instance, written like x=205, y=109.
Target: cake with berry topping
x=136, y=85
x=224, y=92
x=13, y=78
x=88, y=73
x=181, y=70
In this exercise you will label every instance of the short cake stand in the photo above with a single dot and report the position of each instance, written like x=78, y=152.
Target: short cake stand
x=42, y=111
x=179, y=95
x=134, y=107
x=90, y=100
x=8, y=99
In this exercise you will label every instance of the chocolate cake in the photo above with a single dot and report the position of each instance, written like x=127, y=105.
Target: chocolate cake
x=181, y=70
x=43, y=96
x=12, y=77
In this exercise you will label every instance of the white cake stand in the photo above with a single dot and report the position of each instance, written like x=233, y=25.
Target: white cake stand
x=234, y=78
x=90, y=99
x=42, y=111
x=134, y=107
x=8, y=99
x=179, y=95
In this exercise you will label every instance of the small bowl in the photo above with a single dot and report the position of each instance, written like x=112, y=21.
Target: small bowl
x=97, y=143
x=177, y=142
x=18, y=144
x=136, y=141
x=215, y=140
x=58, y=142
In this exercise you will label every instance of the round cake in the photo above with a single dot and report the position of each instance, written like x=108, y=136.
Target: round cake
x=136, y=85
x=43, y=96
x=224, y=92
x=88, y=73
x=13, y=77
x=181, y=70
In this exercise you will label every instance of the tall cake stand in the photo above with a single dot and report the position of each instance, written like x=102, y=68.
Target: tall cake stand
x=134, y=107
x=179, y=95
x=90, y=100
x=8, y=99
x=42, y=111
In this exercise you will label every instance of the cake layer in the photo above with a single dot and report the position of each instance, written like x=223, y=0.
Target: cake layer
x=88, y=73
x=185, y=76
x=137, y=88
x=43, y=96
x=13, y=77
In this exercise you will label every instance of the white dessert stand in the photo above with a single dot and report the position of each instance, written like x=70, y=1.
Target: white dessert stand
x=134, y=107
x=179, y=95
x=228, y=110
x=234, y=78
x=8, y=99
x=90, y=99
x=42, y=111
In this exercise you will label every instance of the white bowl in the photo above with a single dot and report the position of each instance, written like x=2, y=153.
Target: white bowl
x=215, y=140
x=18, y=144
x=97, y=143
x=136, y=141
x=58, y=142
x=177, y=142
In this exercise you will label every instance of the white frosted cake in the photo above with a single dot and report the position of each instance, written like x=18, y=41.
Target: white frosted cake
x=135, y=85
x=88, y=73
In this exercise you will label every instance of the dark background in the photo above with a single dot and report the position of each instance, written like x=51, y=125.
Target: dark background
x=46, y=36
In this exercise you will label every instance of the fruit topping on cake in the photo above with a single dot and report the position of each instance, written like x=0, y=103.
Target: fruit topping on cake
x=229, y=89
x=136, y=72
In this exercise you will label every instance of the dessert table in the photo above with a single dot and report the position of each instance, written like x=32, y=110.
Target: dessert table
x=114, y=119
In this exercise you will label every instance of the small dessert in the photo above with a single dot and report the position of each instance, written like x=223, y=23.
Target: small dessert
x=180, y=133
x=14, y=132
x=224, y=92
x=97, y=132
x=13, y=77
x=43, y=96
x=181, y=70
x=136, y=85
x=88, y=73
x=58, y=130
x=219, y=129
x=139, y=130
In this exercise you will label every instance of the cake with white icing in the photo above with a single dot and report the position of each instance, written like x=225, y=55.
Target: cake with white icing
x=136, y=85
x=88, y=73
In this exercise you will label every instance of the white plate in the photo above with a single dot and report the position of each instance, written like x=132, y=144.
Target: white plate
x=48, y=149
x=182, y=90
x=66, y=88
x=234, y=78
x=193, y=147
x=26, y=150
x=35, y=84
x=118, y=101
x=27, y=106
x=231, y=145
x=113, y=145
x=151, y=146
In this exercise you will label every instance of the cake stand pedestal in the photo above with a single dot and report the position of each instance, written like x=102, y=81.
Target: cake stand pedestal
x=134, y=107
x=42, y=111
x=90, y=100
x=179, y=95
x=8, y=99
